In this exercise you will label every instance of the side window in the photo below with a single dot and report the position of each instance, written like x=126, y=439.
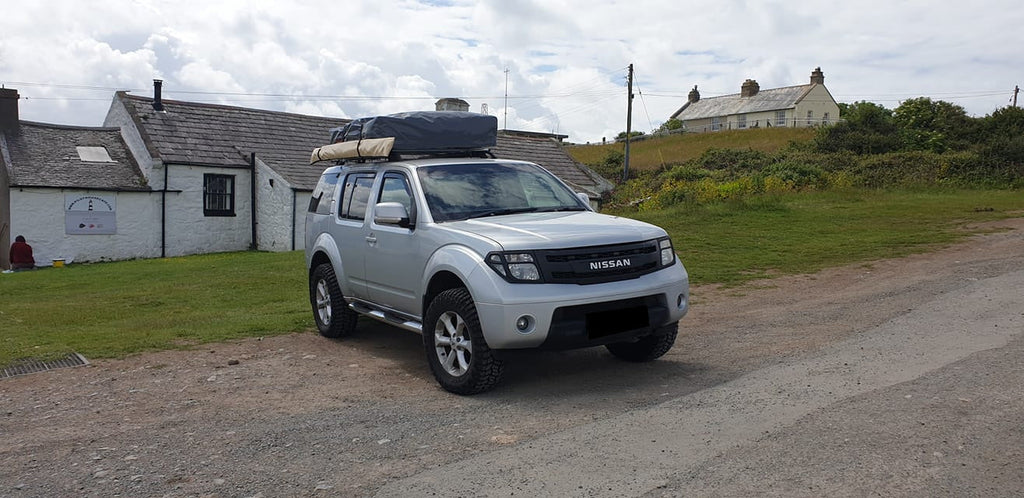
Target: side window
x=355, y=196
x=395, y=188
x=218, y=195
x=320, y=201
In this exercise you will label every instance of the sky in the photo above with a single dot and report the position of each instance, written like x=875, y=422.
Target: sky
x=546, y=66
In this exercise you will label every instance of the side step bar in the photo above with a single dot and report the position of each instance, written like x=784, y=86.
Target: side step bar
x=388, y=318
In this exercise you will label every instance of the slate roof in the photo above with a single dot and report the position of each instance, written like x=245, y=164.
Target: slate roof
x=45, y=155
x=552, y=156
x=772, y=99
x=225, y=136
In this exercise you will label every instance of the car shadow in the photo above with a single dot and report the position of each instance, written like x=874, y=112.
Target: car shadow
x=533, y=373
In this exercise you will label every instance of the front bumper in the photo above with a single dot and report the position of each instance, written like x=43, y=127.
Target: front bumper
x=565, y=316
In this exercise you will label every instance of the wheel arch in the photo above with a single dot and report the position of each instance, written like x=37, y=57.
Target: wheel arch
x=440, y=282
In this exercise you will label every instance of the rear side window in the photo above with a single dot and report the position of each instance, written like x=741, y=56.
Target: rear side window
x=356, y=196
x=323, y=194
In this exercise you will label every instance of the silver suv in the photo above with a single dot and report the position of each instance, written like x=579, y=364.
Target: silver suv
x=482, y=255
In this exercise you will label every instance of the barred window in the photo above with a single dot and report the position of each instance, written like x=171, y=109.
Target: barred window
x=218, y=195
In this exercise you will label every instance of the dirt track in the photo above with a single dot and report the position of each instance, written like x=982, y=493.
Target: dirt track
x=303, y=415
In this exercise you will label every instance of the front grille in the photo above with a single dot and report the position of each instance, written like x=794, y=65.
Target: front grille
x=600, y=264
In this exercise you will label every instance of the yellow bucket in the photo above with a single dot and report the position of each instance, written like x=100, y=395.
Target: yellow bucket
x=58, y=263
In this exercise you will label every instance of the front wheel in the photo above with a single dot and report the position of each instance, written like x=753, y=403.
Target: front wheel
x=647, y=348
x=458, y=356
x=333, y=316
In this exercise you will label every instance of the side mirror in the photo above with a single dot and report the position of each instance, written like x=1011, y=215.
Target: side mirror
x=391, y=213
x=585, y=198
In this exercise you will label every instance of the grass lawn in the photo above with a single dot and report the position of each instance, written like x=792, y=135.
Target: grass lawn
x=109, y=310
x=799, y=233
x=656, y=152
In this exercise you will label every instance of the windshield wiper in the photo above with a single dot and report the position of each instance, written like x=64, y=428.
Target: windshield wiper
x=503, y=211
x=559, y=209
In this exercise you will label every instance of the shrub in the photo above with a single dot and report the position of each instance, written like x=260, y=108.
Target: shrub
x=797, y=174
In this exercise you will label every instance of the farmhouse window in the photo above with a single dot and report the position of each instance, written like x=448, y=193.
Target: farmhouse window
x=824, y=120
x=810, y=117
x=780, y=118
x=741, y=121
x=218, y=195
x=716, y=123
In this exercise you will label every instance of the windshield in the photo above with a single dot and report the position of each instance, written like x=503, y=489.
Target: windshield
x=462, y=191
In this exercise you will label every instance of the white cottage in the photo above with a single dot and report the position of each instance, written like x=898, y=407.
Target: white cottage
x=183, y=178
x=792, y=106
x=211, y=164
x=75, y=193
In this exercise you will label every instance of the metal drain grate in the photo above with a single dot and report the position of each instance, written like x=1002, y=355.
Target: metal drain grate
x=24, y=367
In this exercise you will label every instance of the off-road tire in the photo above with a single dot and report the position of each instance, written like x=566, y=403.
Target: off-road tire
x=647, y=348
x=330, y=311
x=450, y=331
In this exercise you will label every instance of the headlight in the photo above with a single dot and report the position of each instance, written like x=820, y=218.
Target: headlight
x=668, y=255
x=514, y=266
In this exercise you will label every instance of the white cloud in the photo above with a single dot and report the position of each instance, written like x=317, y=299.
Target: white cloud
x=566, y=60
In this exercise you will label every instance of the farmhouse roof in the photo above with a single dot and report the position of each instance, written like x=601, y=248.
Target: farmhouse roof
x=47, y=155
x=773, y=99
x=550, y=154
x=225, y=136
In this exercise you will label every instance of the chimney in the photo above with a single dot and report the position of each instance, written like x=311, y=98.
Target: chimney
x=158, y=102
x=693, y=96
x=451, y=104
x=749, y=88
x=8, y=109
x=817, y=76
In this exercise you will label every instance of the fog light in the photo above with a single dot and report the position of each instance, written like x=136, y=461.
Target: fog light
x=524, y=323
x=680, y=301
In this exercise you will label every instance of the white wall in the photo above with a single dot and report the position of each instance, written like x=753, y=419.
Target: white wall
x=819, y=101
x=191, y=232
x=117, y=116
x=38, y=214
x=273, y=210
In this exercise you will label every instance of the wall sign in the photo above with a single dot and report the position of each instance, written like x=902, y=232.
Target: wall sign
x=90, y=214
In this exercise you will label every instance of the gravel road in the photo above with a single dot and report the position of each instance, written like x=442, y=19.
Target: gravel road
x=899, y=377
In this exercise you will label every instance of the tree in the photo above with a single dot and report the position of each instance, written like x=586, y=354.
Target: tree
x=934, y=125
x=866, y=128
x=622, y=135
x=1006, y=122
x=672, y=124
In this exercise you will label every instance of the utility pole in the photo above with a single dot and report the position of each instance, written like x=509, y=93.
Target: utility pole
x=505, y=126
x=629, y=122
x=1016, y=90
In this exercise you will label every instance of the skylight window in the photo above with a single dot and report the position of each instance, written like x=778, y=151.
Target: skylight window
x=94, y=154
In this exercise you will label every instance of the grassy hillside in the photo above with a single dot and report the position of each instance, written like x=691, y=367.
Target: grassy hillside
x=654, y=153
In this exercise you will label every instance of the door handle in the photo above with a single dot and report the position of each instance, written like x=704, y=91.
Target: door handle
x=371, y=239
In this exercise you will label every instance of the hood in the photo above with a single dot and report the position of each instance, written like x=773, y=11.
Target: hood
x=557, y=230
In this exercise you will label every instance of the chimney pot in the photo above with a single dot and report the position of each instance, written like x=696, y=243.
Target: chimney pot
x=8, y=109
x=158, y=102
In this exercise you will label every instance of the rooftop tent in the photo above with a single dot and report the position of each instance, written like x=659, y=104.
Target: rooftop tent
x=424, y=131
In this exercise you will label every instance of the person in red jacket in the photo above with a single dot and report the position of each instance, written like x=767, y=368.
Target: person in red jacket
x=21, y=255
